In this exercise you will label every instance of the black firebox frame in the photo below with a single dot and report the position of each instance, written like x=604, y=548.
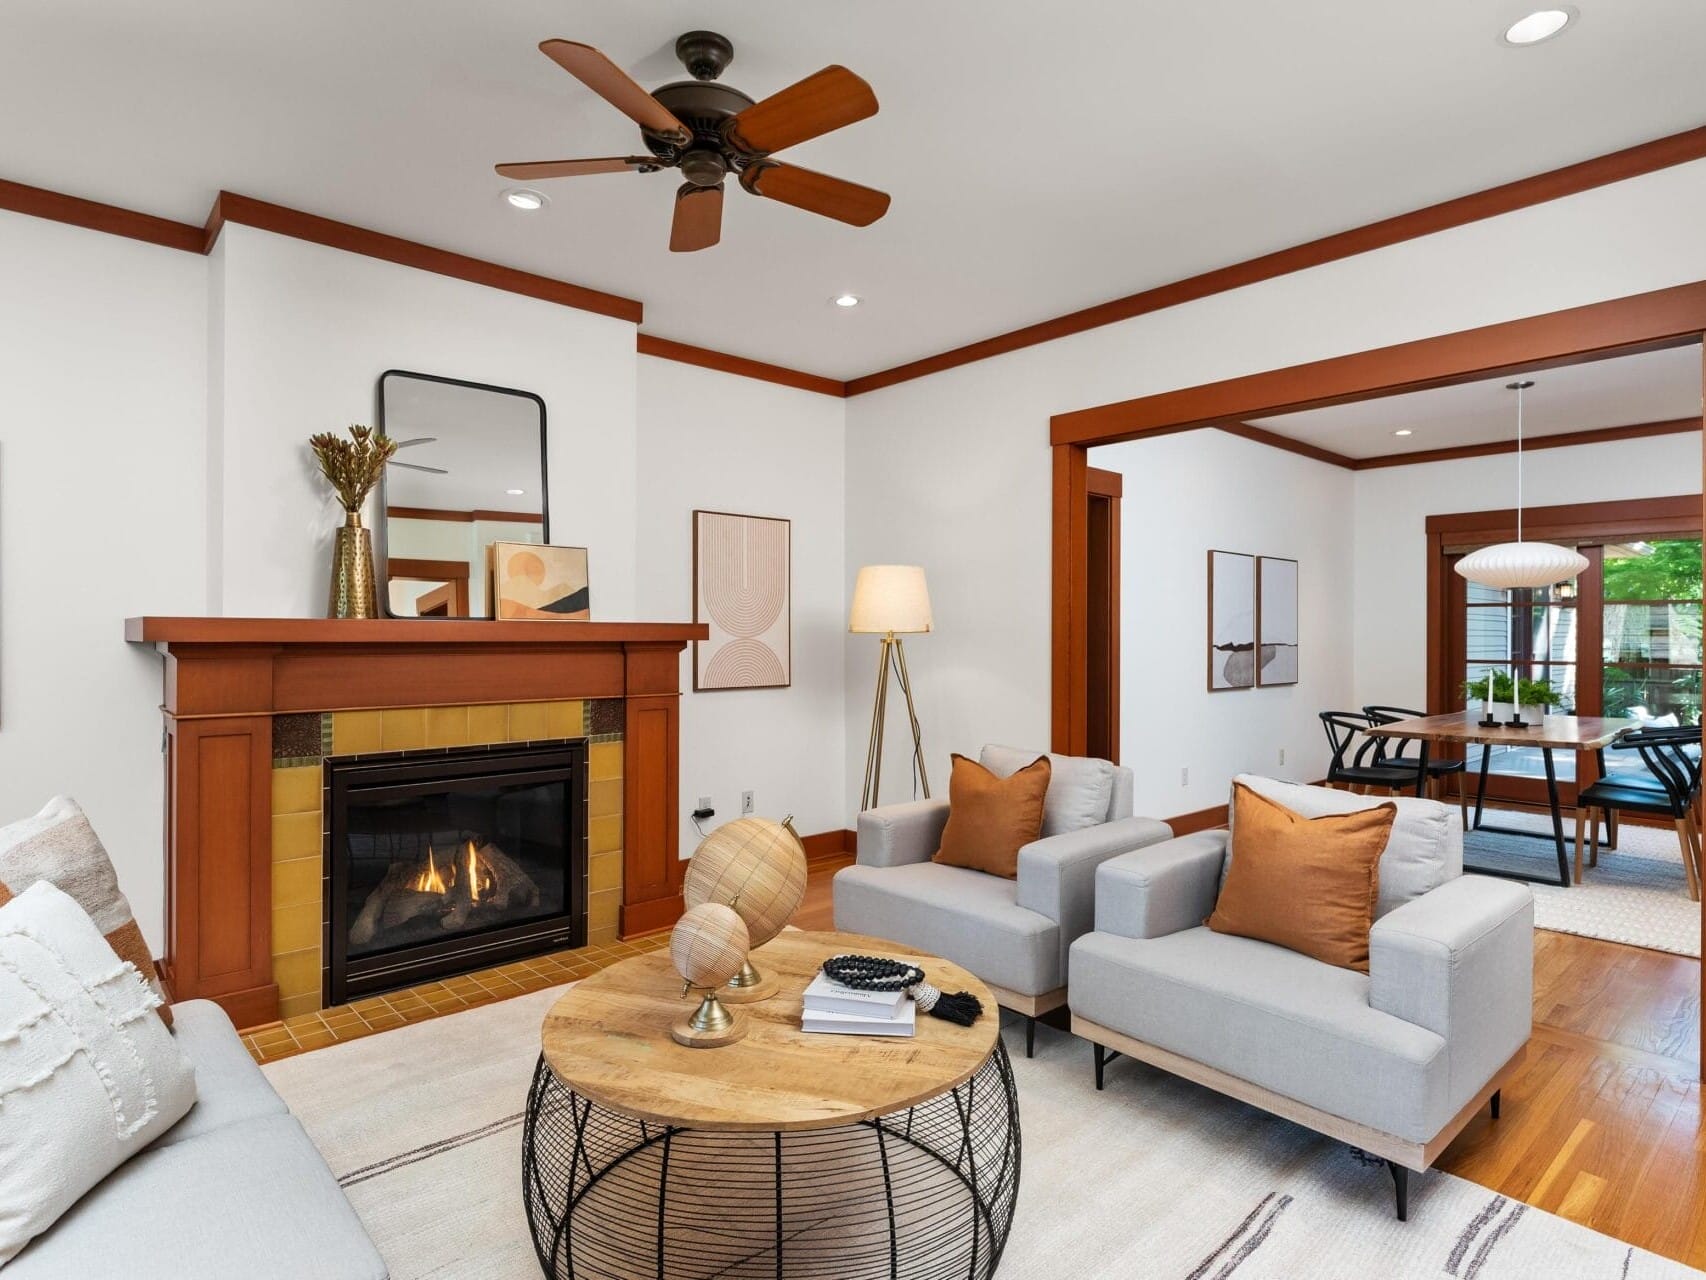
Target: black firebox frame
x=424, y=772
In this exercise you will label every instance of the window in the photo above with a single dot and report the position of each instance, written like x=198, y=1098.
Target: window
x=1534, y=630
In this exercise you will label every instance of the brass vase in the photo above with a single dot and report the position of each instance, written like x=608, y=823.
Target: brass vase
x=354, y=592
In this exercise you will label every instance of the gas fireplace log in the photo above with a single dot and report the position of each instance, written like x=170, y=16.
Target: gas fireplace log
x=503, y=886
x=446, y=888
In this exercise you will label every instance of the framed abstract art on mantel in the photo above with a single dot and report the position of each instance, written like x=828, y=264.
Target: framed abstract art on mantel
x=742, y=589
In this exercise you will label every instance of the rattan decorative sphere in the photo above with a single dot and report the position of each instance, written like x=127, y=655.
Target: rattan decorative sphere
x=708, y=945
x=755, y=865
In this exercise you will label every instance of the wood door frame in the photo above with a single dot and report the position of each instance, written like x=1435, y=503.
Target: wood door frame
x=1621, y=326
x=1650, y=321
x=1107, y=487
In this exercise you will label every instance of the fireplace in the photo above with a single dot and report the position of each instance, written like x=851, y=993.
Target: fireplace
x=442, y=862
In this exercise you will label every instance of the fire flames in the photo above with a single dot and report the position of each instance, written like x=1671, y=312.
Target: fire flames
x=429, y=880
x=478, y=875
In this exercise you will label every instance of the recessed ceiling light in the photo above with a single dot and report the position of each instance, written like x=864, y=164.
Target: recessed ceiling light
x=526, y=198
x=1403, y=431
x=515, y=493
x=1540, y=25
x=846, y=299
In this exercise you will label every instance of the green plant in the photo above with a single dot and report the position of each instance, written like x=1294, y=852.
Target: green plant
x=352, y=466
x=1529, y=692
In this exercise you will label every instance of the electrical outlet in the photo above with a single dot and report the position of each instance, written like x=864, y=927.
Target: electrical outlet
x=1282, y=755
x=1184, y=777
x=705, y=803
x=745, y=803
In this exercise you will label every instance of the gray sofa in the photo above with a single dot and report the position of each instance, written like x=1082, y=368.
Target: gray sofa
x=1395, y=1061
x=1013, y=934
x=235, y=1188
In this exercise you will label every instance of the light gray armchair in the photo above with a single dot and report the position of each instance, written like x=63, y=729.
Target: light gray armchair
x=1013, y=934
x=1394, y=1061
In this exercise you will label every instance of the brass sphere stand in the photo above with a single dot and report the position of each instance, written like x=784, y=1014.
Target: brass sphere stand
x=711, y=1025
x=749, y=986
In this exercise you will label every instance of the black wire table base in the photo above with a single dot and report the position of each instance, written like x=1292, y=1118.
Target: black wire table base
x=921, y=1194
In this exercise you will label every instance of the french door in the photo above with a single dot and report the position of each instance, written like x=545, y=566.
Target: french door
x=1621, y=639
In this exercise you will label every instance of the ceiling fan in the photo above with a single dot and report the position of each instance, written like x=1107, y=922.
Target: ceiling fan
x=710, y=130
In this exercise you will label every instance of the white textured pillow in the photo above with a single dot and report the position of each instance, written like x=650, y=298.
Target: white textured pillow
x=1080, y=788
x=88, y=1075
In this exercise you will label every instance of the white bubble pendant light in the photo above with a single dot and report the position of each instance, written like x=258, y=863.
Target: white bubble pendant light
x=1508, y=565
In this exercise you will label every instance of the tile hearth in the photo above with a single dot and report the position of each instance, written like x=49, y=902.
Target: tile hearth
x=373, y=1014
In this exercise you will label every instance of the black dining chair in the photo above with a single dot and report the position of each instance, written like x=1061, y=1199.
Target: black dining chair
x=1669, y=787
x=1397, y=749
x=1357, y=762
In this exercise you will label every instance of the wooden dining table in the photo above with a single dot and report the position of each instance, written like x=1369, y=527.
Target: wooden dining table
x=1554, y=733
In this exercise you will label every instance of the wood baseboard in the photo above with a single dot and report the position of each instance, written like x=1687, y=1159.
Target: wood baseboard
x=1412, y=1155
x=828, y=846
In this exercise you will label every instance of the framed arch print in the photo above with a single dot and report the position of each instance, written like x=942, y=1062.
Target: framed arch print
x=742, y=590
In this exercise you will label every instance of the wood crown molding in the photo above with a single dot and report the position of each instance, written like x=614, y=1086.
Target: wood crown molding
x=1449, y=453
x=75, y=211
x=230, y=207
x=705, y=358
x=1632, y=162
x=1617, y=166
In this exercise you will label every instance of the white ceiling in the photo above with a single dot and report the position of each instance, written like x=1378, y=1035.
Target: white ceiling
x=1654, y=387
x=1042, y=158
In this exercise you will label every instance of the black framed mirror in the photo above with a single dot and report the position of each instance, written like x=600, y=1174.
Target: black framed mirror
x=469, y=471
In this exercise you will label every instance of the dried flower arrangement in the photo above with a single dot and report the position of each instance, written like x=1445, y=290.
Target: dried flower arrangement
x=352, y=466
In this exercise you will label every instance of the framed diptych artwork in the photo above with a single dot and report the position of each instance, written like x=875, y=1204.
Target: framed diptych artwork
x=742, y=591
x=1276, y=620
x=1231, y=621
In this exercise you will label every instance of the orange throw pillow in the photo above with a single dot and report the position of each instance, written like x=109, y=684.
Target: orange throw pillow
x=1306, y=884
x=989, y=818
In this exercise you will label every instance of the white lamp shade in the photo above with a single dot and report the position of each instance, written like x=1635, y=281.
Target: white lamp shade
x=890, y=597
x=1509, y=565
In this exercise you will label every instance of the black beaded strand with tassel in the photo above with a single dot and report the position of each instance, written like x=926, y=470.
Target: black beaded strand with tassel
x=873, y=973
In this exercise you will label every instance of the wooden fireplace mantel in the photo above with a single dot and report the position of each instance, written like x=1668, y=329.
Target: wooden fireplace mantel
x=226, y=678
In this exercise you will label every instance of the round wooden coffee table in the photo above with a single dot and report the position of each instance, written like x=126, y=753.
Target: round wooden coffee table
x=783, y=1155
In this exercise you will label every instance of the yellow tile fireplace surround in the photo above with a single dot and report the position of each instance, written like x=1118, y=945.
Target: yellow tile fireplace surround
x=298, y=824
x=254, y=707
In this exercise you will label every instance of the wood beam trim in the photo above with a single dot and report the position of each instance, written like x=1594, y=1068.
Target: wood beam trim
x=230, y=207
x=1261, y=435
x=37, y=202
x=1632, y=162
x=705, y=358
x=1562, y=440
x=1641, y=322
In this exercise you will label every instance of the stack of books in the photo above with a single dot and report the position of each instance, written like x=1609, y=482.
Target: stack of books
x=833, y=1009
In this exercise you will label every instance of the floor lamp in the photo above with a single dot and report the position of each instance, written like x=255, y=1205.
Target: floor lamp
x=890, y=600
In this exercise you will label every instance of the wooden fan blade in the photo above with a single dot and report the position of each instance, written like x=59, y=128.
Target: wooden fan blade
x=415, y=466
x=822, y=102
x=573, y=168
x=698, y=218
x=614, y=85
x=816, y=192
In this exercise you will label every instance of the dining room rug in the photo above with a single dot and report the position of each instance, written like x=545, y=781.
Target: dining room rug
x=1636, y=895
x=1154, y=1177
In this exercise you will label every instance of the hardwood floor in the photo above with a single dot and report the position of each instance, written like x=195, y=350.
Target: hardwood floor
x=1602, y=1123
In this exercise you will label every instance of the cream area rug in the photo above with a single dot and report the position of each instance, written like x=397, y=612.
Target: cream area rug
x=1637, y=894
x=1154, y=1178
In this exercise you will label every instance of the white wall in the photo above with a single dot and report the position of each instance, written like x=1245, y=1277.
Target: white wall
x=102, y=515
x=1184, y=494
x=711, y=441
x=306, y=332
x=1392, y=507
x=953, y=471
